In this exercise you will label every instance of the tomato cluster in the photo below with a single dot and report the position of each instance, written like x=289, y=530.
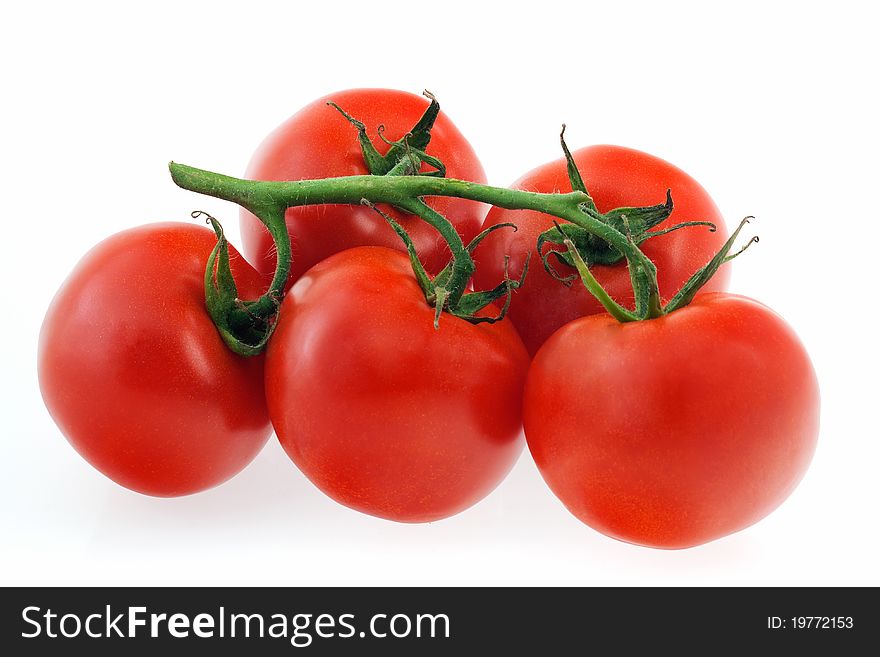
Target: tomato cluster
x=404, y=395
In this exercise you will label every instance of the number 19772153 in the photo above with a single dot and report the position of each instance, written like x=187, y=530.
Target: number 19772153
x=810, y=623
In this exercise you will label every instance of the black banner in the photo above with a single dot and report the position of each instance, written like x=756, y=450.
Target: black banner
x=433, y=621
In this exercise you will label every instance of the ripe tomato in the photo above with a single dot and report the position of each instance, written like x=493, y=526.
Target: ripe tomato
x=135, y=374
x=380, y=410
x=675, y=431
x=318, y=142
x=615, y=177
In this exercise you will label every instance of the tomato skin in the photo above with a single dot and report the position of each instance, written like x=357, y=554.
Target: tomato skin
x=135, y=374
x=615, y=177
x=318, y=142
x=381, y=411
x=675, y=431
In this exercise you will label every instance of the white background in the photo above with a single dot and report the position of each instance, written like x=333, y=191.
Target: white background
x=772, y=106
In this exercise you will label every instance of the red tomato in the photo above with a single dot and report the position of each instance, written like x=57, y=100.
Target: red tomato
x=384, y=413
x=135, y=374
x=615, y=177
x=318, y=142
x=674, y=431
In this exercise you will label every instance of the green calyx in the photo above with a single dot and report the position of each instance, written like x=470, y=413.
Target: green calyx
x=585, y=247
x=645, y=279
x=445, y=291
x=406, y=155
x=245, y=326
x=597, y=251
x=635, y=222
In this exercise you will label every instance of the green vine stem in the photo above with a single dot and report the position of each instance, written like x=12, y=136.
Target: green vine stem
x=402, y=178
x=269, y=200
